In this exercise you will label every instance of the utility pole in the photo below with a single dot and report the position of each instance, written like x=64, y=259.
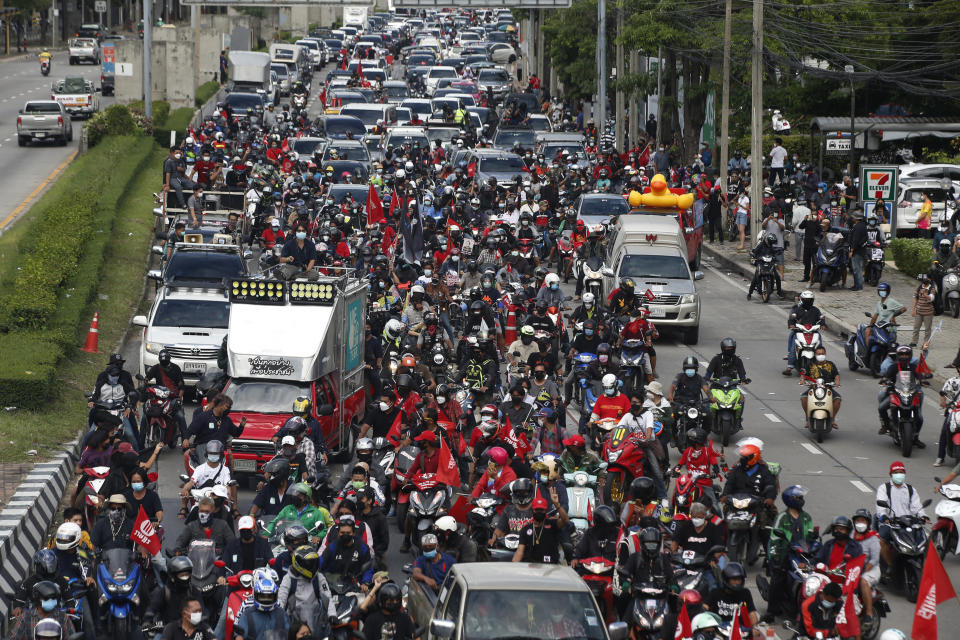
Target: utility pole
x=195, y=24
x=853, y=110
x=659, y=94
x=620, y=117
x=601, y=107
x=634, y=108
x=756, y=123
x=725, y=97
x=147, y=68
x=53, y=24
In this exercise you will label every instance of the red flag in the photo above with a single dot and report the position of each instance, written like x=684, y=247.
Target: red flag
x=922, y=367
x=935, y=588
x=395, y=433
x=684, y=628
x=847, y=622
x=519, y=442
x=649, y=295
x=374, y=206
x=735, y=627
x=471, y=169
x=144, y=534
x=393, y=202
x=386, y=245
x=447, y=471
x=343, y=63
x=460, y=508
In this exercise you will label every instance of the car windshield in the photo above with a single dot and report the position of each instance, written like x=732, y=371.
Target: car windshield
x=916, y=195
x=367, y=116
x=506, y=138
x=74, y=85
x=42, y=107
x=281, y=70
x=396, y=92
x=501, y=164
x=575, y=150
x=255, y=396
x=493, y=75
x=352, y=152
x=420, y=60
x=604, y=206
x=306, y=146
x=401, y=139
x=638, y=265
x=442, y=73
x=242, y=102
x=502, y=614
x=341, y=127
x=443, y=135
x=203, y=266
x=339, y=193
x=207, y=314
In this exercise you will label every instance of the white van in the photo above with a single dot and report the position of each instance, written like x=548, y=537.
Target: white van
x=651, y=250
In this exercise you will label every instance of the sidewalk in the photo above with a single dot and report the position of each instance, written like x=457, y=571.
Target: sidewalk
x=844, y=309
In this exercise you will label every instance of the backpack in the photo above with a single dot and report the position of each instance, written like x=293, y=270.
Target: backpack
x=889, y=487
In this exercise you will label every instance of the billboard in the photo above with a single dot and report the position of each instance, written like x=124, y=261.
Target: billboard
x=878, y=181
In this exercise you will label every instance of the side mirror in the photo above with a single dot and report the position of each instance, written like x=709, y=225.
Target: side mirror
x=184, y=478
x=154, y=274
x=698, y=275
x=618, y=630
x=325, y=410
x=140, y=321
x=445, y=629
x=247, y=254
x=867, y=314
x=157, y=250
x=219, y=564
x=883, y=503
x=926, y=503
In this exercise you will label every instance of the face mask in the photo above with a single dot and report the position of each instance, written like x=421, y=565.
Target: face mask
x=213, y=457
x=137, y=486
x=883, y=294
x=346, y=538
x=689, y=372
x=539, y=516
x=206, y=158
x=195, y=617
x=698, y=522
x=455, y=258
x=827, y=604
x=636, y=408
x=358, y=484
x=586, y=332
x=603, y=359
x=116, y=516
x=821, y=357
x=861, y=527
x=540, y=375
x=428, y=272
x=113, y=379
x=204, y=517
x=384, y=406
x=554, y=287
x=544, y=478
x=48, y=605
x=430, y=554
x=246, y=535
x=301, y=235
x=898, y=478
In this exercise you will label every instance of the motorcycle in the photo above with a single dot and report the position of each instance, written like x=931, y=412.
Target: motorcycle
x=528, y=252
x=600, y=430
x=160, y=410
x=480, y=520
x=593, y=274
x=950, y=292
x=581, y=501
x=45, y=66
x=649, y=611
x=345, y=601
x=565, y=251
x=597, y=573
x=203, y=580
x=689, y=568
x=118, y=578
x=583, y=389
x=875, y=264
x=806, y=339
x=909, y=540
x=904, y=414
x=298, y=100
x=624, y=457
x=869, y=356
x=766, y=276
x=819, y=406
x=91, y=481
x=726, y=403
x=953, y=431
x=743, y=534
x=830, y=260
x=403, y=462
x=946, y=530
x=427, y=497
x=632, y=353
x=241, y=588
x=687, y=490
x=800, y=558
x=688, y=416
x=383, y=456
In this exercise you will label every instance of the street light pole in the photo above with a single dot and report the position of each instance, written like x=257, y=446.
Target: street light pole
x=147, y=63
x=853, y=133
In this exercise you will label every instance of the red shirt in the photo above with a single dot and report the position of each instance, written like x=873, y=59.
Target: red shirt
x=425, y=463
x=611, y=406
x=271, y=237
x=484, y=485
x=699, y=459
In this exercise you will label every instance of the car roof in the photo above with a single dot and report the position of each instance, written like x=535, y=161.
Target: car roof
x=519, y=576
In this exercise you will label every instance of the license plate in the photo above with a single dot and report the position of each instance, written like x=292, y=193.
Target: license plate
x=244, y=465
x=41, y=134
x=658, y=312
x=877, y=254
x=195, y=366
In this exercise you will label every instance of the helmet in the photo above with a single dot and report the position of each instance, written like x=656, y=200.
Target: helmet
x=628, y=283
x=301, y=489
x=278, y=467
x=497, y=455
x=604, y=516
x=751, y=452
x=264, y=589
x=163, y=357
x=296, y=426
x=732, y=571
x=408, y=362
x=793, y=496
x=389, y=597
x=650, y=541
x=883, y=286
x=447, y=523
x=841, y=521
x=393, y=329
x=526, y=330
x=179, y=566
x=806, y=298
x=904, y=352
x=728, y=346
x=306, y=561
x=68, y=536
x=301, y=406
x=863, y=513
x=521, y=491
x=609, y=383
x=709, y=620
x=551, y=279
x=295, y=535
x=215, y=447
x=944, y=244
x=696, y=436
x=48, y=628
x=45, y=590
x=892, y=634
x=588, y=299
x=690, y=362
x=45, y=563
x=691, y=598
x=642, y=489
x=770, y=239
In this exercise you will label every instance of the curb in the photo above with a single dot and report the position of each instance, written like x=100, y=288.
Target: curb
x=27, y=516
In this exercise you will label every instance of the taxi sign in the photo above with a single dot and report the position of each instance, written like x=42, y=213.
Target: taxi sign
x=256, y=291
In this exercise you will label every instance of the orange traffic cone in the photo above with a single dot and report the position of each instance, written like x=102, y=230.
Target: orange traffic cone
x=93, y=336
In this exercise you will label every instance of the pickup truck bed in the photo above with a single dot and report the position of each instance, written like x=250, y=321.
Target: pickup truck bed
x=43, y=119
x=84, y=49
x=78, y=96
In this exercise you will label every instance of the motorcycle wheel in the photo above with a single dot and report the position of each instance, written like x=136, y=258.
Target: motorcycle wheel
x=876, y=359
x=153, y=435
x=614, y=489
x=906, y=439
x=737, y=548
x=765, y=289
x=819, y=428
x=726, y=429
x=941, y=542
x=119, y=629
x=911, y=583
x=752, y=550
x=955, y=306
x=869, y=631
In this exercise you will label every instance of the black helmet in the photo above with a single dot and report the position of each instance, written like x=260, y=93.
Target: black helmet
x=690, y=362
x=389, y=597
x=603, y=349
x=45, y=563
x=863, y=513
x=295, y=536
x=164, y=357
x=650, y=541
x=728, y=346
x=604, y=516
x=471, y=265
x=179, y=570
x=278, y=468
x=521, y=491
x=904, y=352
x=628, y=284
x=476, y=307
x=45, y=590
x=642, y=489
x=295, y=426
x=733, y=571
x=405, y=380
x=841, y=521
x=696, y=436
x=305, y=561
x=770, y=239
x=590, y=325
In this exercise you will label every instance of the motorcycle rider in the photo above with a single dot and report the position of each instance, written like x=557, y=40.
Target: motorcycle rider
x=113, y=385
x=520, y=350
x=348, y=555
x=700, y=456
x=272, y=497
x=45, y=596
x=168, y=374
x=263, y=612
x=706, y=625
x=304, y=593
x=479, y=372
x=728, y=364
x=600, y=539
x=944, y=259
x=688, y=387
x=248, y=551
x=870, y=543
x=432, y=566
x=648, y=564
x=802, y=313
x=388, y=613
x=729, y=598
x=497, y=475
x=113, y=532
x=575, y=457
x=792, y=524
x=624, y=298
x=904, y=362
x=902, y=500
x=766, y=247
x=699, y=535
x=519, y=513
x=886, y=310
x=612, y=405
x=453, y=541
x=823, y=369
x=205, y=527
x=214, y=471
x=949, y=394
x=751, y=475
x=540, y=539
x=819, y=612
x=841, y=547
x=639, y=419
x=75, y=565
x=167, y=599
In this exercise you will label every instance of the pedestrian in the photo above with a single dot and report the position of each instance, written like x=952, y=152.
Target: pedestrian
x=923, y=309
x=651, y=127
x=743, y=212
x=223, y=66
x=926, y=215
x=858, y=248
x=714, y=211
x=777, y=156
x=811, y=240
x=706, y=156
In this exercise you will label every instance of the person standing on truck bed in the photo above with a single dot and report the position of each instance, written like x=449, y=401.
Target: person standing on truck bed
x=299, y=256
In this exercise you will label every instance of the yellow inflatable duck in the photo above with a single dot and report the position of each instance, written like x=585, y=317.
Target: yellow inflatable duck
x=660, y=196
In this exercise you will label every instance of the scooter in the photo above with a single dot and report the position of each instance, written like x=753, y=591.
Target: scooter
x=806, y=339
x=875, y=264
x=904, y=414
x=648, y=611
x=946, y=530
x=118, y=578
x=726, y=403
x=581, y=501
x=800, y=558
x=624, y=457
x=597, y=573
x=241, y=588
x=910, y=538
x=160, y=408
x=830, y=260
x=687, y=490
x=581, y=364
x=950, y=292
x=869, y=356
x=819, y=406
x=689, y=568
x=632, y=353
x=480, y=520
x=203, y=580
x=404, y=461
x=345, y=601
x=427, y=497
x=593, y=274
x=953, y=431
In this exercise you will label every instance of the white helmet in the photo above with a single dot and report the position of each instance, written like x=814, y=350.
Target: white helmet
x=893, y=634
x=445, y=523
x=588, y=299
x=806, y=294
x=189, y=140
x=417, y=288
x=393, y=329
x=68, y=536
x=551, y=278
x=408, y=165
x=401, y=173
x=706, y=620
x=609, y=383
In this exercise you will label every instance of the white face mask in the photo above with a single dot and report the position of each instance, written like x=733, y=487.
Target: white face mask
x=384, y=406
x=195, y=617
x=861, y=527
x=821, y=357
x=698, y=522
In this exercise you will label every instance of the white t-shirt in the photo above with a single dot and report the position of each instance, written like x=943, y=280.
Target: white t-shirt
x=219, y=474
x=743, y=203
x=777, y=155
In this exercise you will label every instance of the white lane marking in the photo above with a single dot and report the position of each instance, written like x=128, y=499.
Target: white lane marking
x=861, y=486
x=811, y=448
x=772, y=417
x=7, y=139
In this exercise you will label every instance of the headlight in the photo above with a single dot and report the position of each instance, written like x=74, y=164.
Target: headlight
x=688, y=298
x=485, y=503
x=819, y=393
x=741, y=503
x=153, y=347
x=613, y=456
x=693, y=413
x=580, y=479
x=112, y=588
x=125, y=588
x=416, y=500
x=437, y=500
x=681, y=499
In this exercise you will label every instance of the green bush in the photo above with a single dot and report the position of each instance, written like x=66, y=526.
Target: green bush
x=178, y=120
x=116, y=120
x=161, y=109
x=28, y=367
x=206, y=91
x=912, y=256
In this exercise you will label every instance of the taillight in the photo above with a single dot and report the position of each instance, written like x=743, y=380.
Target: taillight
x=59, y=119
x=89, y=98
x=101, y=77
x=19, y=120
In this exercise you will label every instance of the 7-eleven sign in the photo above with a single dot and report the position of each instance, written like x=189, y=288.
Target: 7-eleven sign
x=878, y=182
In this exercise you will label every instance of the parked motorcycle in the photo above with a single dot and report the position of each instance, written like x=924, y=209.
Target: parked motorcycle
x=869, y=356
x=950, y=292
x=624, y=457
x=946, y=530
x=904, y=413
x=819, y=406
x=726, y=403
x=909, y=541
x=118, y=578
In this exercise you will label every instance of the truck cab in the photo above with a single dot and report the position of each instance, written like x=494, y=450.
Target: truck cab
x=287, y=339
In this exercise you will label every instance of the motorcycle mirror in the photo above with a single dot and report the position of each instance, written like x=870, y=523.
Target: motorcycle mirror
x=883, y=503
x=936, y=479
x=867, y=314
x=618, y=630
x=926, y=503
x=184, y=478
x=272, y=561
x=219, y=564
x=325, y=410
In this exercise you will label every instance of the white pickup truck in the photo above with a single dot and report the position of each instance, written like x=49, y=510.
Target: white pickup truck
x=77, y=95
x=84, y=49
x=43, y=119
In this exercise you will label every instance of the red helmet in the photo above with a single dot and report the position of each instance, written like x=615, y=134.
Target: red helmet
x=409, y=362
x=580, y=224
x=497, y=455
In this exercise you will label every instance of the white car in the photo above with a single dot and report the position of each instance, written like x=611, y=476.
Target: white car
x=910, y=199
x=932, y=172
x=434, y=75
